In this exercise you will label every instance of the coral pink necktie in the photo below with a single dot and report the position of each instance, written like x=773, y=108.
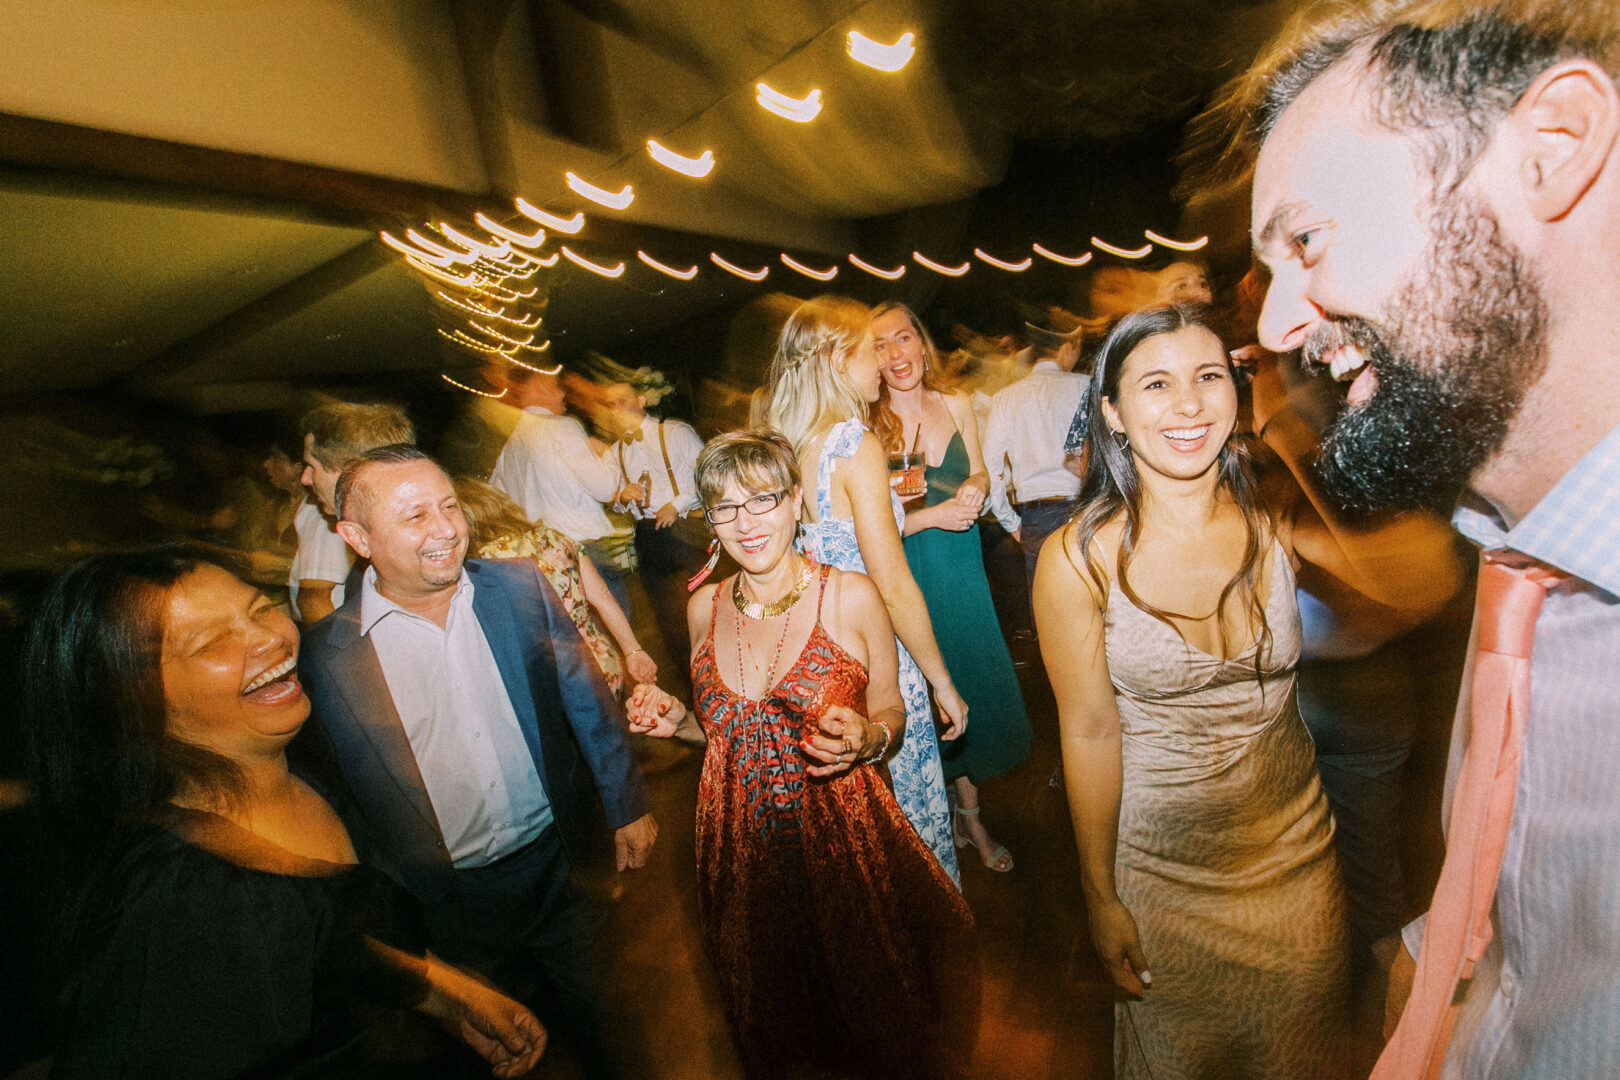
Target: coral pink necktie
x=1511, y=589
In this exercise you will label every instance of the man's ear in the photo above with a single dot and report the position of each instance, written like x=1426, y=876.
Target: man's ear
x=354, y=534
x=1568, y=122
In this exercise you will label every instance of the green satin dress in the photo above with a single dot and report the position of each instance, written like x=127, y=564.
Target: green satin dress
x=949, y=568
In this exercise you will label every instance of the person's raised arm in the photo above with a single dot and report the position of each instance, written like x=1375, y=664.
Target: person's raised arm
x=865, y=479
x=637, y=663
x=315, y=600
x=1407, y=561
x=995, y=461
x=1069, y=622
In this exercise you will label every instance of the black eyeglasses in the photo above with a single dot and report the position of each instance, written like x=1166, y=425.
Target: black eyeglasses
x=720, y=513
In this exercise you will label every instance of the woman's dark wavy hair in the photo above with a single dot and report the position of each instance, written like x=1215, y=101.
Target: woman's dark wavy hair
x=94, y=715
x=1110, y=486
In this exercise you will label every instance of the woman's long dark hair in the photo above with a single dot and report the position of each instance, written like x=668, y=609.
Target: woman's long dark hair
x=95, y=720
x=1110, y=485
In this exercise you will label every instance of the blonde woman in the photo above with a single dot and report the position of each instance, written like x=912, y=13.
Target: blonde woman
x=823, y=379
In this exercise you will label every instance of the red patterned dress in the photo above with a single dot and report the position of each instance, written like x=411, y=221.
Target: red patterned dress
x=842, y=947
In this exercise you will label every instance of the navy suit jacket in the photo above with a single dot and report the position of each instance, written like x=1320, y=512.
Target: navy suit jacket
x=573, y=726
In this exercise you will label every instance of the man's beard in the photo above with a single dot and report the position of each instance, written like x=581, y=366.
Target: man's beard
x=1455, y=356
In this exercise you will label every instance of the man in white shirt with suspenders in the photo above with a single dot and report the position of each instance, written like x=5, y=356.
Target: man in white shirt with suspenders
x=659, y=457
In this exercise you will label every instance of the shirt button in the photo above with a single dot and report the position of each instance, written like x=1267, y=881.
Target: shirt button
x=1509, y=984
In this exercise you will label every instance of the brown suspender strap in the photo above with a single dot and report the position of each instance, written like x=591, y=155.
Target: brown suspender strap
x=668, y=468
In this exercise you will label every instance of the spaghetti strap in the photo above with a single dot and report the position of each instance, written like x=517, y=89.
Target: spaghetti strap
x=821, y=590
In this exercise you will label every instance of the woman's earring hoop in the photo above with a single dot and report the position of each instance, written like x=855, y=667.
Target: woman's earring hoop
x=1120, y=440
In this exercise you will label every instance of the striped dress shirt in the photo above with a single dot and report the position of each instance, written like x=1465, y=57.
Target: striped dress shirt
x=1544, y=1003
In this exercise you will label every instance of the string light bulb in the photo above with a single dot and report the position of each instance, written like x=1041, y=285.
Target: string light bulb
x=1062, y=260
x=585, y=264
x=799, y=110
x=940, y=268
x=1124, y=253
x=412, y=252
x=570, y=225
x=683, y=275
x=511, y=236
x=1176, y=245
x=464, y=258
x=470, y=390
x=887, y=275
x=496, y=251
x=1001, y=264
x=881, y=57
x=613, y=200
x=820, y=275
x=695, y=167
x=732, y=268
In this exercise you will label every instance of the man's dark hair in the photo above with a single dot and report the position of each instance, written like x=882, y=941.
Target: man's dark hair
x=1446, y=71
x=341, y=431
x=353, y=500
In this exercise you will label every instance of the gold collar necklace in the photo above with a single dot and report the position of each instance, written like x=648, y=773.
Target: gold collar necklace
x=780, y=606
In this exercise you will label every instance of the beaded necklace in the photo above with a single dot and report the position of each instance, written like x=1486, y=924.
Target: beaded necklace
x=761, y=612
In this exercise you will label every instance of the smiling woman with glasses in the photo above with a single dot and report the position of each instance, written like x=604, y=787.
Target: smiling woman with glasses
x=841, y=945
x=763, y=503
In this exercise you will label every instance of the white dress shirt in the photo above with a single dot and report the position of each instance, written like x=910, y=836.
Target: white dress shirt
x=321, y=556
x=646, y=455
x=549, y=468
x=1023, y=441
x=1544, y=1002
x=463, y=731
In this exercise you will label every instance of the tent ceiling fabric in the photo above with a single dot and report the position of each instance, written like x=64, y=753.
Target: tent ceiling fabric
x=202, y=203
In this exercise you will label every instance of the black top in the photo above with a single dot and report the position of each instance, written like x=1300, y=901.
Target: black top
x=210, y=953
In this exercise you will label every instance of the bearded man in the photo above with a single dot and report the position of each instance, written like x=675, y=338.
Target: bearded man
x=1437, y=197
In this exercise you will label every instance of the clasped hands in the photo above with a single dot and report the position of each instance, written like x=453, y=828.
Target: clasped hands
x=960, y=511
x=841, y=739
x=653, y=712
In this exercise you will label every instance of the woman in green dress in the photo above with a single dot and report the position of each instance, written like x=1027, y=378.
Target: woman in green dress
x=942, y=546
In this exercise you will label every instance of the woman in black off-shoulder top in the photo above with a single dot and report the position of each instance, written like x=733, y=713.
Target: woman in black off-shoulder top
x=215, y=920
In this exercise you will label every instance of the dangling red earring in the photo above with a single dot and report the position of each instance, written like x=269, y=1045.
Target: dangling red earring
x=708, y=568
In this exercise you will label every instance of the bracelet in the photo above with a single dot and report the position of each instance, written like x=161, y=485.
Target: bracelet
x=643, y=652
x=888, y=737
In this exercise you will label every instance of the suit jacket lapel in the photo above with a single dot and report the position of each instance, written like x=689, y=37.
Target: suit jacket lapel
x=512, y=653
x=358, y=676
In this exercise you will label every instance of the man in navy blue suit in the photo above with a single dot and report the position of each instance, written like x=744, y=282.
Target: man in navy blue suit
x=476, y=751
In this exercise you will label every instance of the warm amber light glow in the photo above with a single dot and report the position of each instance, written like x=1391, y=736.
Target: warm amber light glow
x=466, y=281
x=820, y=275
x=939, y=268
x=570, y=225
x=412, y=252
x=1064, y=260
x=498, y=336
x=1176, y=245
x=497, y=251
x=465, y=258
x=684, y=275
x=875, y=54
x=1001, y=264
x=511, y=236
x=613, y=200
x=1124, y=253
x=586, y=264
x=799, y=110
x=887, y=275
x=470, y=390
x=695, y=167
x=750, y=275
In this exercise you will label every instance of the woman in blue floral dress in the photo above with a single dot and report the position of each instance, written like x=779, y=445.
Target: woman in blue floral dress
x=823, y=378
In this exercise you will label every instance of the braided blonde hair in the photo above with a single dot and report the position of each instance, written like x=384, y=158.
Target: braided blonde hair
x=808, y=389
